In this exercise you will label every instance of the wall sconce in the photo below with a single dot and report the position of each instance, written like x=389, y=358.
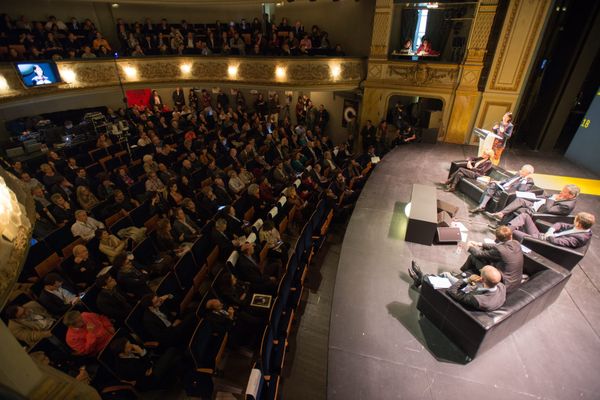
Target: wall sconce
x=336, y=71
x=3, y=84
x=68, y=75
x=232, y=71
x=130, y=72
x=185, y=68
x=280, y=73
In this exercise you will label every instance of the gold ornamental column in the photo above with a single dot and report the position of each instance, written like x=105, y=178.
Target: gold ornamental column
x=512, y=61
x=467, y=97
x=372, y=104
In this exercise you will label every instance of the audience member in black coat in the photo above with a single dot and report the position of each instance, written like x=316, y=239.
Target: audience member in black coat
x=249, y=271
x=84, y=268
x=133, y=363
x=161, y=326
x=131, y=279
x=56, y=296
x=110, y=301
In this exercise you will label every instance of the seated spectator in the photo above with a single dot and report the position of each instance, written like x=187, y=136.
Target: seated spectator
x=87, y=52
x=86, y=199
x=189, y=208
x=220, y=191
x=248, y=270
x=154, y=184
x=103, y=141
x=270, y=237
x=111, y=301
x=110, y=245
x=161, y=326
x=573, y=235
x=134, y=363
x=505, y=254
x=121, y=203
x=219, y=237
x=84, y=268
x=62, y=211
x=236, y=185
x=184, y=229
x=84, y=226
x=488, y=294
x=166, y=243
x=29, y=322
x=100, y=41
x=87, y=333
x=56, y=298
x=175, y=197
x=132, y=280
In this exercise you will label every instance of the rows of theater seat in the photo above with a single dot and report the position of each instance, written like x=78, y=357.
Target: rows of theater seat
x=193, y=277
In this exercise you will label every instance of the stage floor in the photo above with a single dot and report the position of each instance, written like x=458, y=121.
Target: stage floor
x=379, y=348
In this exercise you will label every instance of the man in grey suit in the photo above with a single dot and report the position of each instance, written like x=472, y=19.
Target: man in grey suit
x=562, y=203
x=520, y=181
x=505, y=254
x=573, y=235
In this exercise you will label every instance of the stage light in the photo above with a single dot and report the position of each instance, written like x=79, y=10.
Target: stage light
x=232, y=71
x=336, y=71
x=280, y=73
x=68, y=75
x=130, y=72
x=3, y=84
x=186, y=68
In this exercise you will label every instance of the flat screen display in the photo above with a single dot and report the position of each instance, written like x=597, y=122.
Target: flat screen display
x=36, y=74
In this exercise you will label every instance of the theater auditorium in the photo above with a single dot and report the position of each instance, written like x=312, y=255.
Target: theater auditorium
x=299, y=199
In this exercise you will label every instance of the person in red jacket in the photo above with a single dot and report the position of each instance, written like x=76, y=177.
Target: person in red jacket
x=88, y=333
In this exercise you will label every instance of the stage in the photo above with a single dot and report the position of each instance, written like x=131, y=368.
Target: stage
x=379, y=347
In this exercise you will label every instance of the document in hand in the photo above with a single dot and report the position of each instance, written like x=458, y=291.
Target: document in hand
x=439, y=282
x=526, y=195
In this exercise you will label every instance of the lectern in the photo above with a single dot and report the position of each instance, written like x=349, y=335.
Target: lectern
x=486, y=139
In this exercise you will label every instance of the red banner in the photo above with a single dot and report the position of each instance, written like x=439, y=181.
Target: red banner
x=138, y=97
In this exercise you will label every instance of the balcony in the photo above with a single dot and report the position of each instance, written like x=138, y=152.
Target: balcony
x=297, y=72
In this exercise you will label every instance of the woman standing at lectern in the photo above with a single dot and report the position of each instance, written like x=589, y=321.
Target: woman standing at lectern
x=504, y=130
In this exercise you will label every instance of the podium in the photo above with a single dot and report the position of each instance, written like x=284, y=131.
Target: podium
x=486, y=139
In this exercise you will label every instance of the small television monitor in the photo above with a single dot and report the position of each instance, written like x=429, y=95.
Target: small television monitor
x=38, y=73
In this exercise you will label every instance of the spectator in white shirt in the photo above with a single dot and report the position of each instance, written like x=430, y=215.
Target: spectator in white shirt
x=84, y=226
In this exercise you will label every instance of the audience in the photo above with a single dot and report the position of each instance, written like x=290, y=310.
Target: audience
x=87, y=333
x=56, y=40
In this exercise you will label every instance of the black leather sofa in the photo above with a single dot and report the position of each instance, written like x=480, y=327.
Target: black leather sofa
x=473, y=189
x=477, y=331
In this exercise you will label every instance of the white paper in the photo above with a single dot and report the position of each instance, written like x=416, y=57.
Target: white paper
x=253, y=383
x=526, y=195
x=526, y=250
x=375, y=160
x=484, y=179
x=439, y=282
x=488, y=241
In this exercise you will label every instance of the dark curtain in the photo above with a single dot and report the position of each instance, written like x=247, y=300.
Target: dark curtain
x=438, y=29
x=408, y=25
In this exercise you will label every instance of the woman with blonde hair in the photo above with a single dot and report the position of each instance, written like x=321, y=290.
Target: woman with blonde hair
x=475, y=168
x=86, y=199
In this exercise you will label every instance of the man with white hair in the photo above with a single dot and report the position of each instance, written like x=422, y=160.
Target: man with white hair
x=84, y=226
x=521, y=181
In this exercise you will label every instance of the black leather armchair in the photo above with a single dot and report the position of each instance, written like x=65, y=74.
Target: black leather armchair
x=477, y=331
x=473, y=188
x=566, y=257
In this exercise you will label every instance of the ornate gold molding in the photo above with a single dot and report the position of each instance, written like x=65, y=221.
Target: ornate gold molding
x=525, y=53
x=414, y=74
x=299, y=72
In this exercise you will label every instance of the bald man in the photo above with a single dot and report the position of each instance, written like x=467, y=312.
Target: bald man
x=484, y=292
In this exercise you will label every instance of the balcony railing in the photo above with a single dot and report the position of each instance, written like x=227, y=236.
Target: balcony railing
x=285, y=72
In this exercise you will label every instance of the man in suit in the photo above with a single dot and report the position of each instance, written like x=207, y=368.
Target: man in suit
x=83, y=270
x=160, y=325
x=368, y=135
x=219, y=238
x=110, y=301
x=520, y=181
x=219, y=189
x=562, y=203
x=506, y=255
x=56, y=298
x=133, y=363
x=184, y=229
x=30, y=322
x=178, y=98
x=484, y=292
x=249, y=271
x=573, y=235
